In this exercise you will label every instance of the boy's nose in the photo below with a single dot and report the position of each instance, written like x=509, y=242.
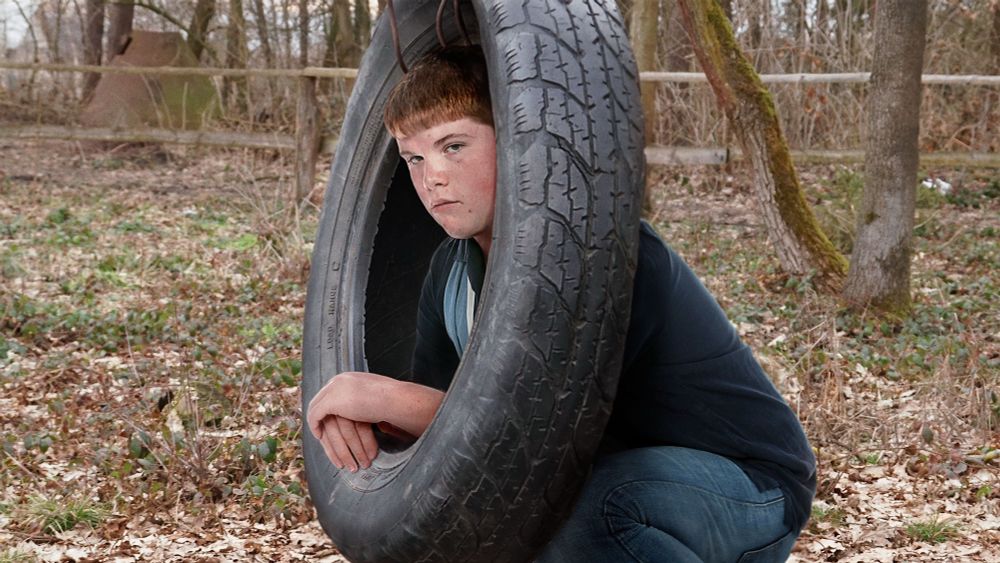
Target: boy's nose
x=434, y=176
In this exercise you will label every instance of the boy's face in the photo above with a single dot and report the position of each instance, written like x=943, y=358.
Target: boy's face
x=453, y=168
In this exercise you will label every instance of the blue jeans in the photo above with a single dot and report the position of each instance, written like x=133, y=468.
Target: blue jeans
x=673, y=505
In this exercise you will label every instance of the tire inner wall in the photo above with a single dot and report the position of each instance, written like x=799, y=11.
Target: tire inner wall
x=406, y=239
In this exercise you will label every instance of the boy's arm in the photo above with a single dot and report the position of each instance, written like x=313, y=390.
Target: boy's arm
x=341, y=414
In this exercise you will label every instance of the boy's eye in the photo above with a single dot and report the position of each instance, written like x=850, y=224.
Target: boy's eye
x=414, y=160
x=454, y=147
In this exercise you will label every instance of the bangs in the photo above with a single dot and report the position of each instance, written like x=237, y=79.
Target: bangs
x=419, y=120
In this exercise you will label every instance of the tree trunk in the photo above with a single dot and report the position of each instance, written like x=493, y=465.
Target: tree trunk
x=880, y=263
x=120, y=18
x=262, y=33
x=57, y=47
x=303, y=33
x=677, y=47
x=801, y=245
x=645, y=14
x=625, y=9
x=727, y=8
x=645, y=19
x=204, y=11
x=93, y=39
x=995, y=35
x=236, y=55
x=288, y=27
x=47, y=32
x=341, y=47
x=264, y=36
x=362, y=24
x=348, y=53
x=330, y=41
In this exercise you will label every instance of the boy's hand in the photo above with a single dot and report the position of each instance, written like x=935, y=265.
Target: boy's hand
x=347, y=443
x=341, y=414
x=340, y=417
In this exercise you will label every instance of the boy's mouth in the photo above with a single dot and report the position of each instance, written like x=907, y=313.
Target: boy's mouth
x=442, y=203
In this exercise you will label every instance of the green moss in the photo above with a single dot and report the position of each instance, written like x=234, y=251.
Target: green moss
x=746, y=93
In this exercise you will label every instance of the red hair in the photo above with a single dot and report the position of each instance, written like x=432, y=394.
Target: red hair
x=445, y=85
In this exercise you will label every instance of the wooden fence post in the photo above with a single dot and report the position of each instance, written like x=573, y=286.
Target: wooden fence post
x=306, y=138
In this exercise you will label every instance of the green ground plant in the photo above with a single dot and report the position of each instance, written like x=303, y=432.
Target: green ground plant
x=932, y=530
x=15, y=555
x=55, y=515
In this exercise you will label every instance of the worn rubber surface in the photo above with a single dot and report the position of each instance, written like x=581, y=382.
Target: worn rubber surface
x=501, y=464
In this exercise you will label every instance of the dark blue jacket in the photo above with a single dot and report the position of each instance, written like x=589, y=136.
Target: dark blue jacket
x=687, y=378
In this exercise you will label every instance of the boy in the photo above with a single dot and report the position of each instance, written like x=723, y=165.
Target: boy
x=701, y=460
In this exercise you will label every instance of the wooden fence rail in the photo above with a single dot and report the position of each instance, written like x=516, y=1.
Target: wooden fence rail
x=307, y=142
x=327, y=72
x=655, y=155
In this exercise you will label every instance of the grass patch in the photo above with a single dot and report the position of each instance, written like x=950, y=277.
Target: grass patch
x=14, y=555
x=52, y=516
x=933, y=530
x=870, y=458
x=828, y=514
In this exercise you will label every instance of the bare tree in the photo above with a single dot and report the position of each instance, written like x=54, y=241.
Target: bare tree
x=120, y=17
x=93, y=38
x=204, y=11
x=880, y=263
x=801, y=245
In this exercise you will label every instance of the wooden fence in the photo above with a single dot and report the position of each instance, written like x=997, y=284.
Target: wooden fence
x=307, y=143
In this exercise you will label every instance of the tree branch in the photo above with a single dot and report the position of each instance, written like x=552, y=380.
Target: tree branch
x=156, y=10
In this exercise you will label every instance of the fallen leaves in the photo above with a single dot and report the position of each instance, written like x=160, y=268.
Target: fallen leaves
x=190, y=437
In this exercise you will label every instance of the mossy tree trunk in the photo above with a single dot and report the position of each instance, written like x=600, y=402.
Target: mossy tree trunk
x=800, y=244
x=880, y=263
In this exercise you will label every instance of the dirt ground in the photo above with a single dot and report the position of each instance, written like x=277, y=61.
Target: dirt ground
x=150, y=337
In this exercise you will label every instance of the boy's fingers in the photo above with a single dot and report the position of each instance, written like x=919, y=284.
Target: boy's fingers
x=368, y=439
x=325, y=441
x=316, y=428
x=337, y=443
x=349, y=430
x=315, y=419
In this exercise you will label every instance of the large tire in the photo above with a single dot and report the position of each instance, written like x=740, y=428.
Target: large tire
x=501, y=464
